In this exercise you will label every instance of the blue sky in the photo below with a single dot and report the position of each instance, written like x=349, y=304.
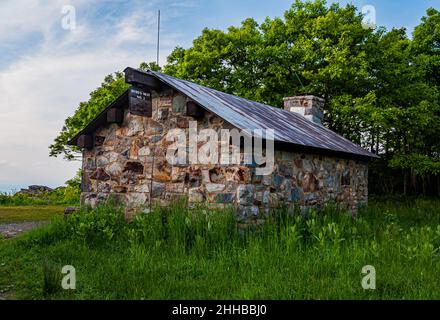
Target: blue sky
x=45, y=70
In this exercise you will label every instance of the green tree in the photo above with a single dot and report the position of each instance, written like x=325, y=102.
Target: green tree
x=381, y=87
x=112, y=86
x=314, y=49
x=415, y=114
x=406, y=115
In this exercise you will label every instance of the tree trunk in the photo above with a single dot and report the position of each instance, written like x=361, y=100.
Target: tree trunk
x=377, y=143
x=404, y=183
x=438, y=185
x=413, y=179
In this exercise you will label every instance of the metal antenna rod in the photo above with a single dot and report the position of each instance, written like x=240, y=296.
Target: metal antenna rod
x=158, y=36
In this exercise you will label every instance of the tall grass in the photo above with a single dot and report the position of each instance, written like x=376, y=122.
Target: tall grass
x=199, y=253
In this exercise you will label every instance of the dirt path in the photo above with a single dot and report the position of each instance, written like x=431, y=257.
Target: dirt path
x=10, y=230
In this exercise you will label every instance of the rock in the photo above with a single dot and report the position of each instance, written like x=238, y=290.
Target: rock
x=330, y=181
x=129, y=178
x=285, y=170
x=134, y=150
x=114, y=169
x=104, y=187
x=154, y=128
x=165, y=101
x=89, y=198
x=295, y=195
x=156, y=138
x=245, y=194
x=162, y=114
x=101, y=161
x=100, y=174
x=195, y=196
x=99, y=140
x=36, y=190
x=214, y=187
x=274, y=200
x=345, y=179
x=112, y=157
x=216, y=175
x=277, y=180
x=262, y=197
x=158, y=189
x=225, y=197
x=135, y=126
x=205, y=176
x=144, y=151
x=182, y=122
x=120, y=189
x=136, y=199
x=244, y=174
x=134, y=167
x=178, y=174
x=230, y=186
x=162, y=170
x=194, y=177
x=179, y=103
x=266, y=180
x=287, y=156
x=309, y=182
x=143, y=188
x=70, y=210
x=307, y=165
x=175, y=187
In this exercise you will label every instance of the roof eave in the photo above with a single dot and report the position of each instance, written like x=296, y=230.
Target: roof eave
x=100, y=119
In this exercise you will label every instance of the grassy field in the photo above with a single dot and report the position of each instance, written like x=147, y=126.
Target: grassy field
x=202, y=255
x=9, y=214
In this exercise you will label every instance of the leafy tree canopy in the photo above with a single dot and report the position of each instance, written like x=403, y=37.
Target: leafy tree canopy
x=381, y=87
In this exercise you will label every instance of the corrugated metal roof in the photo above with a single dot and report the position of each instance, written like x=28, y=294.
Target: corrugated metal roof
x=248, y=115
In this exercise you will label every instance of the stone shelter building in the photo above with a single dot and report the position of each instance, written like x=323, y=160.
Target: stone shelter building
x=125, y=151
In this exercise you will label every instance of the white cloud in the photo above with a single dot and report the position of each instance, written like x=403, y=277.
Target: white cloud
x=39, y=90
x=3, y=163
x=138, y=27
x=21, y=17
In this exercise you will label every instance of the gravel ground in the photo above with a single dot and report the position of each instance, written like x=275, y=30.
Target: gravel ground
x=10, y=230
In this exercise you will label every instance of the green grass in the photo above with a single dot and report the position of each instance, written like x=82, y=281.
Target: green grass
x=200, y=254
x=10, y=214
x=57, y=197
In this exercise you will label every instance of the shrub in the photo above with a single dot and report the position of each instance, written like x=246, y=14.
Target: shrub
x=97, y=226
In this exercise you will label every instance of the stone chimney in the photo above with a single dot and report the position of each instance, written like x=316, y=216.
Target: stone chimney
x=311, y=107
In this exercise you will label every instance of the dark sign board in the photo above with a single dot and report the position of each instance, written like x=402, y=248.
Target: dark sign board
x=140, y=102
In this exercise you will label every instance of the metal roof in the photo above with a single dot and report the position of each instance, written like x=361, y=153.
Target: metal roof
x=249, y=115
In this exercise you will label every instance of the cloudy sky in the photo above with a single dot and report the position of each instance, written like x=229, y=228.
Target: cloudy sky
x=46, y=70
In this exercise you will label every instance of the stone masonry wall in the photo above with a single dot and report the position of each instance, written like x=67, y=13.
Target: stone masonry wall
x=121, y=165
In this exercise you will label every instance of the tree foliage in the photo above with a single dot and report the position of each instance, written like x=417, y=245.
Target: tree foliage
x=112, y=87
x=381, y=87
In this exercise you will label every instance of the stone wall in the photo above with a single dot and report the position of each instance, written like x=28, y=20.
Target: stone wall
x=128, y=162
